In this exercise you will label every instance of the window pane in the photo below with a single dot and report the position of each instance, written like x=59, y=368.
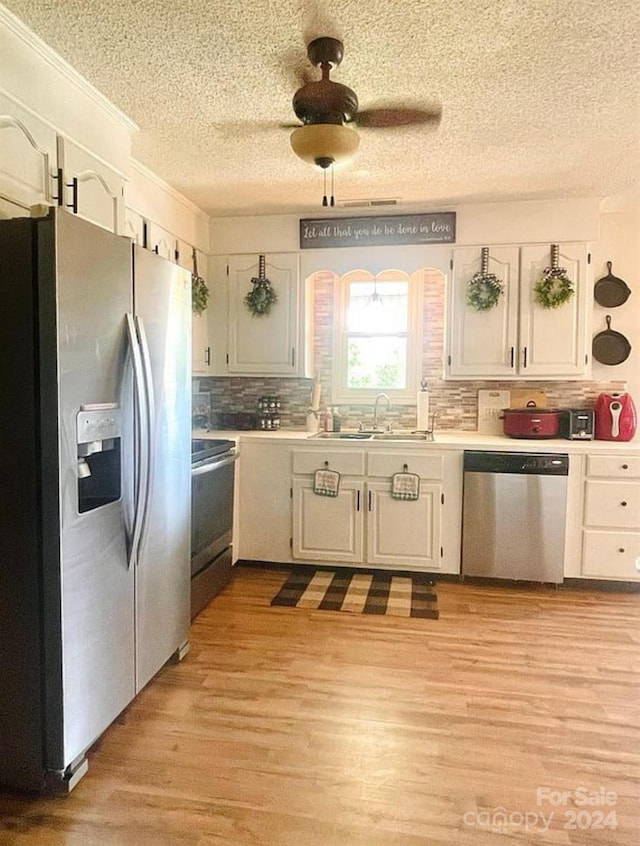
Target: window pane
x=389, y=314
x=377, y=362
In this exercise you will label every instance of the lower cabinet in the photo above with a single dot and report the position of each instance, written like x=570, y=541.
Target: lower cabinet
x=611, y=518
x=404, y=534
x=364, y=525
x=328, y=528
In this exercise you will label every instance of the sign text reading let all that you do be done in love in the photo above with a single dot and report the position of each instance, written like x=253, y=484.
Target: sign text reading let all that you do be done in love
x=437, y=228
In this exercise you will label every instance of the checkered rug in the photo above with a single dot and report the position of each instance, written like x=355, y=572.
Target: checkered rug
x=360, y=593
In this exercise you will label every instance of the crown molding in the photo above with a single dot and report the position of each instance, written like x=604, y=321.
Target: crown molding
x=28, y=37
x=169, y=189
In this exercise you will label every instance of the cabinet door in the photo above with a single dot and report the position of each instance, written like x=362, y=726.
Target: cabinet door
x=93, y=189
x=483, y=343
x=553, y=341
x=28, y=157
x=404, y=534
x=268, y=344
x=328, y=528
x=200, y=347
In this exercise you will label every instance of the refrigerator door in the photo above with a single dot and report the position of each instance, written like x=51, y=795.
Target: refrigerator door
x=85, y=280
x=162, y=302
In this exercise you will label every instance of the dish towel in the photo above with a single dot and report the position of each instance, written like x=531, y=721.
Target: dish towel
x=326, y=482
x=405, y=485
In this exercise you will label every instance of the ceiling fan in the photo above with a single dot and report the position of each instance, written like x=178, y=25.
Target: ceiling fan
x=329, y=111
x=329, y=102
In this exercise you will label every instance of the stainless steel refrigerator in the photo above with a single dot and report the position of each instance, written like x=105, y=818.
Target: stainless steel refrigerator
x=94, y=486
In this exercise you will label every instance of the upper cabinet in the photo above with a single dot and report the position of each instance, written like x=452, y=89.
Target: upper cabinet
x=28, y=160
x=266, y=344
x=91, y=188
x=518, y=337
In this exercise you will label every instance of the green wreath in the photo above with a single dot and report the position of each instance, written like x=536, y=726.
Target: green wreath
x=199, y=294
x=554, y=288
x=483, y=291
x=260, y=299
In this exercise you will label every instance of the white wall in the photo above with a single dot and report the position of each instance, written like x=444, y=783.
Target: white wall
x=620, y=243
x=489, y=223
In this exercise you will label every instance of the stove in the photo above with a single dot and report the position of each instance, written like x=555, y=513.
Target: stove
x=205, y=448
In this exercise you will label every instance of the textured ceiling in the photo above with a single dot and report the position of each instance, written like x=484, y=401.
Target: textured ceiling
x=540, y=98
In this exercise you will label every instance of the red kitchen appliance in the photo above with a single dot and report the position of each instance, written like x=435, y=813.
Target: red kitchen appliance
x=531, y=422
x=616, y=418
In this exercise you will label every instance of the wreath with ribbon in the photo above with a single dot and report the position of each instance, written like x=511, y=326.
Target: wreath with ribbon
x=484, y=288
x=554, y=288
x=262, y=296
x=199, y=289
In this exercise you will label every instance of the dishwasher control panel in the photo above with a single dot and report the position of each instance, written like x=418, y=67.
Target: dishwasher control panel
x=541, y=464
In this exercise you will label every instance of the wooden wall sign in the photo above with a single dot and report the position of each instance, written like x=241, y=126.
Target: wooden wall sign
x=321, y=233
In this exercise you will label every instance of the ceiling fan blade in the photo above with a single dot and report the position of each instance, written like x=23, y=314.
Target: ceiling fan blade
x=295, y=68
x=392, y=117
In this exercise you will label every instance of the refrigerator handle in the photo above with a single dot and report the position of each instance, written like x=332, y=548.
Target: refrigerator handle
x=149, y=446
x=141, y=455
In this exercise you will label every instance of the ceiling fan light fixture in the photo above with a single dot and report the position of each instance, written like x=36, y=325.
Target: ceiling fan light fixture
x=324, y=144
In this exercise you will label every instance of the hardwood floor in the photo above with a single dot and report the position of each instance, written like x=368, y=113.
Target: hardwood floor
x=314, y=728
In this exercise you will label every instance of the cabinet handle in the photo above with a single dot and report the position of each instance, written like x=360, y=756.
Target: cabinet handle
x=370, y=497
x=524, y=357
x=59, y=179
x=73, y=205
x=625, y=466
x=293, y=356
x=207, y=356
x=623, y=503
x=357, y=500
x=513, y=356
x=621, y=549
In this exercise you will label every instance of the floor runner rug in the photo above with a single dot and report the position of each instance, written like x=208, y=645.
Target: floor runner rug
x=359, y=593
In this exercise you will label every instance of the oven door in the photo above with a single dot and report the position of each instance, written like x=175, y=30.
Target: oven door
x=211, y=508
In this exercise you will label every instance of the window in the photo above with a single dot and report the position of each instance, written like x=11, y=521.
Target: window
x=377, y=338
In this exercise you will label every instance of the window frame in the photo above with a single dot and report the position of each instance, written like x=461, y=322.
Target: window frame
x=341, y=393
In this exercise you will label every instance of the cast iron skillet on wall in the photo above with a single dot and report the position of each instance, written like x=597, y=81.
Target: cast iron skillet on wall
x=609, y=346
x=610, y=291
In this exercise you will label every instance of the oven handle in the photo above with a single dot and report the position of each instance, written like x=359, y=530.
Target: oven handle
x=214, y=465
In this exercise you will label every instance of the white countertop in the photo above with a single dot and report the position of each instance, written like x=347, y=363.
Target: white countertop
x=444, y=439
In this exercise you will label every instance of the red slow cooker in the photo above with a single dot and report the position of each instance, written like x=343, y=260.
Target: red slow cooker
x=531, y=422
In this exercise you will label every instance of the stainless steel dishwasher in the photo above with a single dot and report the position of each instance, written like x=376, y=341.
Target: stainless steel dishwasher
x=513, y=516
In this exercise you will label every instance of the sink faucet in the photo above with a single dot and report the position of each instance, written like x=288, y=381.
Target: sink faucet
x=375, y=408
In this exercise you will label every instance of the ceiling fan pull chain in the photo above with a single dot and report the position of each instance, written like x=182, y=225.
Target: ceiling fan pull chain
x=324, y=198
x=333, y=199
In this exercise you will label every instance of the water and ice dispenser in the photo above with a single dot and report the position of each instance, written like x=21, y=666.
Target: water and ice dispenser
x=98, y=428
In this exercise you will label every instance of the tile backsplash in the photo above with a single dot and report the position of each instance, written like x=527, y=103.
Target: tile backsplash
x=456, y=403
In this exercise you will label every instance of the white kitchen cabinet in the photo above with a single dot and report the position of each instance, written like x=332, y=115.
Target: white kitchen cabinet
x=365, y=525
x=328, y=528
x=200, y=345
x=483, y=344
x=264, y=514
x=92, y=188
x=611, y=518
x=518, y=338
x=269, y=344
x=404, y=535
x=28, y=161
x=201, y=361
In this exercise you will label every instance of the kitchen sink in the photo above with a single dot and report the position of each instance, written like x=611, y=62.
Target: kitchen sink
x=371, y=436
x=403, y=436
x=344, y=436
